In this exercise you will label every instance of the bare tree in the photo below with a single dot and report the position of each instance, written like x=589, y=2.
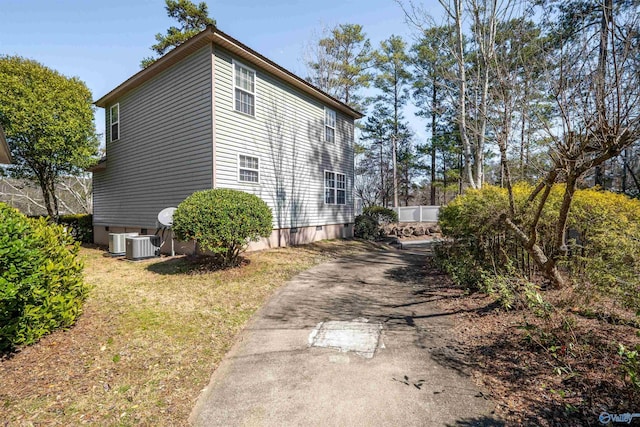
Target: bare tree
x=474, y=23
x=595, y=87
x=321, y=67
x=73, y=193
x=365, y=187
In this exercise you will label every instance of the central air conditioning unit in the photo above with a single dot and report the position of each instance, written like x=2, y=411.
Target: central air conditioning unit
x=142, y=247
x=117, y=242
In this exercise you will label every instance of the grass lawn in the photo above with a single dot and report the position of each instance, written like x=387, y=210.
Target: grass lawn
x=150, y=336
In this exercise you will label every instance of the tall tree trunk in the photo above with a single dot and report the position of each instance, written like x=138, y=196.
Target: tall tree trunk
x=46, y=195
x=479, y=147
x=383, y=198
x=462, y=97
x=444, y=179
x=633, y=177
x=485, y=33
x=46, y=181
x=522, y=167
x=434, y=100
x=503, y=140
x=395, y=172
x=394, y=140
x=460, y=166
x=601, y=77
x=625, y=162
x=560, y=244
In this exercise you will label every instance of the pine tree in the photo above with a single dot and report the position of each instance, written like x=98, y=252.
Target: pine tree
x=392, y=79
x=191, y=18
x=339, y=63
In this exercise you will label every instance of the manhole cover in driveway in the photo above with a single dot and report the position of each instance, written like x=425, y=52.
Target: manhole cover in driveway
x=357, y=335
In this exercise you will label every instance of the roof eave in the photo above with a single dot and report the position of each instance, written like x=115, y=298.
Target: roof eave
x=157, y=67
x=213, y=35
x=100, y=166
x=265, y=63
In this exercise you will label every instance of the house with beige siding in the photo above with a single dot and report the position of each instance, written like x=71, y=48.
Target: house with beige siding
x=213, y=113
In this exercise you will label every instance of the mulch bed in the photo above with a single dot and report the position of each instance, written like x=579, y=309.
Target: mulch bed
x=562, y=370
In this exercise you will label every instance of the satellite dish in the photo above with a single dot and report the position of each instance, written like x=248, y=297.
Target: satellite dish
x=165, y=217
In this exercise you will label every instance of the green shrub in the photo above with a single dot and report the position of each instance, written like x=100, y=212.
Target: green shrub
x=222, y=221
x=381, y=214
x=41, y=286
x=461, y=265
x=366, y=227
x=630, y=364
x=604, y=236
x=80, y=225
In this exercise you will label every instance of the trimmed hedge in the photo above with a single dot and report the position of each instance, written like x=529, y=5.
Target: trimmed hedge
x=81, y=226
x=41, y=284
x=366, y=227
x=381, y=214
x=222, y=221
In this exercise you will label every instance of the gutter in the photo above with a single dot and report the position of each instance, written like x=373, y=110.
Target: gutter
x=213, y=35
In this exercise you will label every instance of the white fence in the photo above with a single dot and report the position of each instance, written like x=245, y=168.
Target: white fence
x=417, y=213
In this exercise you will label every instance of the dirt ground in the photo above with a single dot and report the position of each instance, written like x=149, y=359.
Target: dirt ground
x=563, y=370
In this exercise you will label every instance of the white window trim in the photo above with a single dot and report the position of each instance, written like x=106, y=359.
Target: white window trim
x=255, y=87
x=324, y=183
x=335, y=188
x=249, y=169
x=111, y=123
x=326, y=125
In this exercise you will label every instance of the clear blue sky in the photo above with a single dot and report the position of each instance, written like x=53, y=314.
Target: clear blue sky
x=102, y=42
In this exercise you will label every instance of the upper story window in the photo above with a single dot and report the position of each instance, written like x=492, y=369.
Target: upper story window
x=335, y=188
x=329, y=125
x=248, y=169
x=114, y=122
x=244, y=89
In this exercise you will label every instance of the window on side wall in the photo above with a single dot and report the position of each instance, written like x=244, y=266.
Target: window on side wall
x=248, y=169
x=244, y=84
x=329, y=125
x=114, y=121
x=335, y=188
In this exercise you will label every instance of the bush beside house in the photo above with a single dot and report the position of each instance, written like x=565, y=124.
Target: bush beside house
x=368, y=225
x=222, y=221
x=41, y=283
x=80, y=226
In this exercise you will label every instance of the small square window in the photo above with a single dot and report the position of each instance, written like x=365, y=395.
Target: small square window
x=114, y=121
x=248, y=169
x=329, y=125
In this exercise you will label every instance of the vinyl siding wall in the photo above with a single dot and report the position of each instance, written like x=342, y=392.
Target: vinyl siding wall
x=165, y=148
x=287, y=135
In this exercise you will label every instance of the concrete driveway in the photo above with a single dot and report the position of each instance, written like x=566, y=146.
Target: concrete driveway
x=354, y=342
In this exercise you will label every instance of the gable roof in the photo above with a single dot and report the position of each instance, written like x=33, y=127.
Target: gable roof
x=5, y=153
x=214, y=35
